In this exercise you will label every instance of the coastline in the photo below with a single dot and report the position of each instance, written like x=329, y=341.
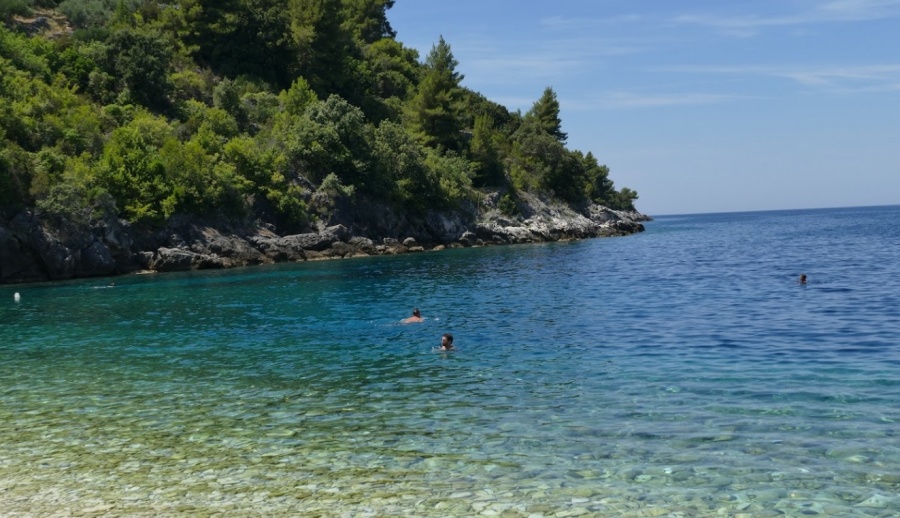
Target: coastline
x=31, y=250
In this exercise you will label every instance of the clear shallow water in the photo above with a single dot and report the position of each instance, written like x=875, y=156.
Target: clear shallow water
x=679, y=372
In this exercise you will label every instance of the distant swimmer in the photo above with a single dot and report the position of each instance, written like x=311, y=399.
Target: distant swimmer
x=802, y=278
x=416, y=317
x=446, y=342
x=17, y=297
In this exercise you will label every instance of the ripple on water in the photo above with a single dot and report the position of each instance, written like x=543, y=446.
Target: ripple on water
x=673, y=373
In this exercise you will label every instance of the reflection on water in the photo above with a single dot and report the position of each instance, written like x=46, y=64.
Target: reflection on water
x=681, y=372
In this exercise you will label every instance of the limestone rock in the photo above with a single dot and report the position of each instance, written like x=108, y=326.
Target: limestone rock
x=31, y=250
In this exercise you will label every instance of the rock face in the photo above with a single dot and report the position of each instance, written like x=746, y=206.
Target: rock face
x=32, y=250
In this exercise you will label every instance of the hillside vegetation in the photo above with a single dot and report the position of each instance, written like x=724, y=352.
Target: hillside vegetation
x=257, y=110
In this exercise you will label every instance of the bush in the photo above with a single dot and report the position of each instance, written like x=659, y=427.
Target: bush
x=508, y=206
x=10, y=8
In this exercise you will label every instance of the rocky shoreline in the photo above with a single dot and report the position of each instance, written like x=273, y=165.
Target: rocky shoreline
x=31, y=250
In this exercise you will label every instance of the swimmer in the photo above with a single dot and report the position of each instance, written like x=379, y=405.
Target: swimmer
x=446, y=342
x=416, y=317
x=802, y=278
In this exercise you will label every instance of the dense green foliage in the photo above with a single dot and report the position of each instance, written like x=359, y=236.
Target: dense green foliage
x=265, y=109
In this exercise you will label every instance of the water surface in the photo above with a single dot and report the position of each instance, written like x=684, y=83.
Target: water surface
x=679, y=372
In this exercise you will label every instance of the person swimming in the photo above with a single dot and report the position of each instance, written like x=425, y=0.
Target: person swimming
x=446, y=342
x=802, y=278
x=416, y=317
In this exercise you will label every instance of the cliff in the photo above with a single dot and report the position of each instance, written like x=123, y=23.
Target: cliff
x=33, y=249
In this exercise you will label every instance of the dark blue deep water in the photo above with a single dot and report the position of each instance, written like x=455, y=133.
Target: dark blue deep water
x=683, y=371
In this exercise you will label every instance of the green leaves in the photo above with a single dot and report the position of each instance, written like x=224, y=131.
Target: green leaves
x=155, y=175
x=133, y=172
x=546, y=111
x=265, y=109
x=141, y=61
x=434, y=113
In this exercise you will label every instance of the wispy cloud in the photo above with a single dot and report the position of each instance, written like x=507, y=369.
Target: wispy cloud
x=512, y=68
x=499, y=62
x=610, y=100
x=567, y=23
x=815, y=12
x=839, y=79
x=858, y=10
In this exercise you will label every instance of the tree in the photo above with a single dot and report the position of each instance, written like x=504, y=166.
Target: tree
x=434, y=112
x=230, y=106
x=96, y=13
x=15, y=178
x=238, y=37
x=141, y=60
x=394, y=68
x=202, y=183
x=322, y=48
x=601, y=187
x=541, y=161
x=625, y=199
x=546, y=111
x=132, y=171
x=366, y=20
x=400, y=172
x=331, y=137
x=483, y=149
x=298, y=97
x=8, y=8
x=274, y=195
x=227, y=96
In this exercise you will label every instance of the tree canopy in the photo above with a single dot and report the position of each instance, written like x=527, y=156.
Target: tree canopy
x=256, y=109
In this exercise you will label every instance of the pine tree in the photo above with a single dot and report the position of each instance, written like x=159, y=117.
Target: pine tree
x=434, y=112
x=546, y=109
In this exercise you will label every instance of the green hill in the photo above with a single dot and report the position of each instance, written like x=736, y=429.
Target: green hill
x=257, y=110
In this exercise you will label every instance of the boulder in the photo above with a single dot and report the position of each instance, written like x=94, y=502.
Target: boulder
x=94, y=260
x=173, y=260
x=17, y=262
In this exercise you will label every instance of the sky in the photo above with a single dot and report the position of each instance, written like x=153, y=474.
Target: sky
x=698, y=105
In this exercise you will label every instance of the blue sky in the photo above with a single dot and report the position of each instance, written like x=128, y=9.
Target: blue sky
x=700, y=106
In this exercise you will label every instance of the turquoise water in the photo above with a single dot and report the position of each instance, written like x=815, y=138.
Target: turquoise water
x=679, y=372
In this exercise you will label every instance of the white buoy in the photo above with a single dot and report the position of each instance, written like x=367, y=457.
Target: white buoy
x=17, y=297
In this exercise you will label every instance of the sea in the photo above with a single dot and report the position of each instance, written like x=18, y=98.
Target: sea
x=680, y=372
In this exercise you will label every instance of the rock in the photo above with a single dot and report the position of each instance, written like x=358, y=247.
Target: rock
x=173, y=260
x=17, y=262
x=229, y=249
x=316, y=241
x=363, y=244
x=94, y=260
x=32, y=250
x=878, y=501
x=342, y=249
x=468, y=238
x=144, y=259
x=277, y=250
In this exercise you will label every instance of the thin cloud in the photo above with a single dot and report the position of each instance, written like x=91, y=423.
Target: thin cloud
x=512, y=69
x=818, y=13
x=496, y=63
x=857, y=10
x=566, y=23
x=638, y=100
x=842, y=75
x=840, y=79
